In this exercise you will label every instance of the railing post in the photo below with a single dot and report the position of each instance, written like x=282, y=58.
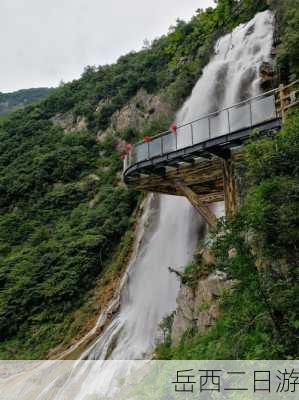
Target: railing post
x=192, y=141
x=250, y=110
x=275, y=108
x=282, y=102
x=209, y=120
x=228, y=121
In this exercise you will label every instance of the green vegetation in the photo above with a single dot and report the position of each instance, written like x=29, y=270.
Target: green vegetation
x=62, y=214
x=259, y=318
x=11, y=101
x=62, y=208
x=288, y=50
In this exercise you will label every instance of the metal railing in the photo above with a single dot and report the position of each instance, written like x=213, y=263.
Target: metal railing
x=244, y=115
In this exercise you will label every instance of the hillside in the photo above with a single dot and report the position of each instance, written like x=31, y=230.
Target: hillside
x=66, y=219
x=12, y=101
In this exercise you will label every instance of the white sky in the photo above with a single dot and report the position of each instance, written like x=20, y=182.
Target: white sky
x=45, y=41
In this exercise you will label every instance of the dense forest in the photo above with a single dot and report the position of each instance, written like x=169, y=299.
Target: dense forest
x=64, y=212
x=12, y=101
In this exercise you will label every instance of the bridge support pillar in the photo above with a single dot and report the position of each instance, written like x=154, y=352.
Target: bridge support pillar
x=229, y=185
x=203, y=210
x=283, y=102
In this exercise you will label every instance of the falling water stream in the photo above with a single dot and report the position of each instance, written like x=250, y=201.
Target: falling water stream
x=171, y=230
x=233, y=73
x=150, y=293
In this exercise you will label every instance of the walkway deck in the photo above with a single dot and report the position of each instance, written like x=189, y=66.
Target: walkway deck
x=198, y=154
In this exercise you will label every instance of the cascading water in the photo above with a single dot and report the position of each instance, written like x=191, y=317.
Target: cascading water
x=150, y=293
x=172, y=233
x=233, y=73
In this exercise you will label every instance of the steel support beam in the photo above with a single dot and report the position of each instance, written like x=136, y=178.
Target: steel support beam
x=203, y=210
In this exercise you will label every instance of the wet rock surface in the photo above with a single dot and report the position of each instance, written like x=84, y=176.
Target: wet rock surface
x=267, y=75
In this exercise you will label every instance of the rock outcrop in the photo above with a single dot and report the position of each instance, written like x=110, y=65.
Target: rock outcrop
x=199, y=307
x=267, y=75
x=68, y=122
x=140, y=113
x=143, y=109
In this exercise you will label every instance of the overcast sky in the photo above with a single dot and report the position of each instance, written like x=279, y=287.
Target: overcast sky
x=45, y=41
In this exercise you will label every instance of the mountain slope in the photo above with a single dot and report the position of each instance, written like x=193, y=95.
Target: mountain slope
x=12, y=101
x=63, y=207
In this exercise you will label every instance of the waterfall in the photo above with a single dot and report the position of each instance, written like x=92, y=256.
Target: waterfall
x=231, y=76
x=171, y=233
x=150, y=293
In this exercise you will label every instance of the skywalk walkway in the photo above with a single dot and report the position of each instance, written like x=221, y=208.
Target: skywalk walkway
x=165, y=163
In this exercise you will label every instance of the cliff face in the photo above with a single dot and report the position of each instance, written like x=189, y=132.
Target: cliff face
x=144, y=113
x=141, y=113
x=143, y=110
x=68, y=122
x=198, y=308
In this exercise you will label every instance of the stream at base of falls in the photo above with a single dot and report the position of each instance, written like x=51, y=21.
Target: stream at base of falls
x=171, y=231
